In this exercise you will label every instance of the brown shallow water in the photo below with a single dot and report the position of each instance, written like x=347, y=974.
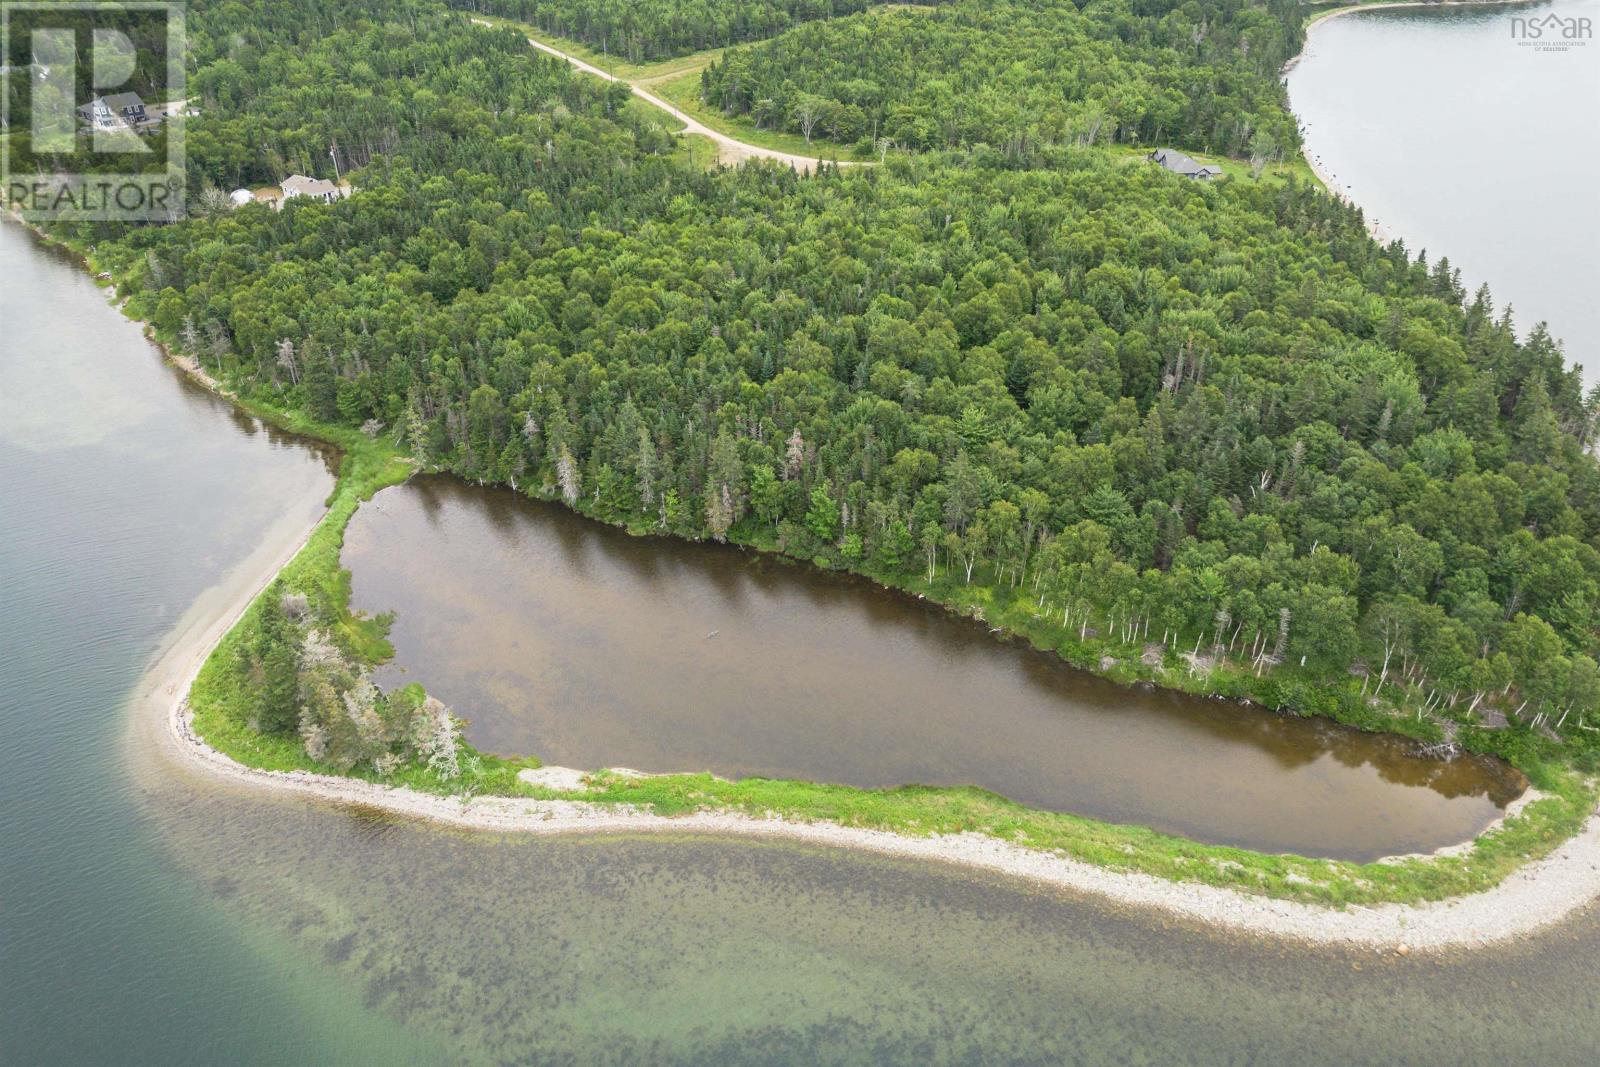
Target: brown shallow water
x=570, y=640
x=151, y=916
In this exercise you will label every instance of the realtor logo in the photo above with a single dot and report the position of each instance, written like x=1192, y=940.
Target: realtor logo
x=91, y=116
x=1552, y=33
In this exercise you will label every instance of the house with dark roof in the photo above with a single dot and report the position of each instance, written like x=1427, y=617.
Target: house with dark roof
x=117, y=111
x=1178, y=163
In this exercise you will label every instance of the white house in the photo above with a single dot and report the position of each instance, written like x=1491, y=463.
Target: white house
x=315, y=188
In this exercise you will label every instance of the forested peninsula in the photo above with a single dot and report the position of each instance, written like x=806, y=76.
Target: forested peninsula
x=1016, y=74
x=1207, y=434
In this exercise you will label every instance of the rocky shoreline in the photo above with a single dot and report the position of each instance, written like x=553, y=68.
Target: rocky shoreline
x=1538, y=895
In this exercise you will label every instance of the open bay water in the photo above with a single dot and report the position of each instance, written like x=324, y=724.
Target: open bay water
x=124, y=493
x=150, y=916
x=1460, y=135
x=147, y=917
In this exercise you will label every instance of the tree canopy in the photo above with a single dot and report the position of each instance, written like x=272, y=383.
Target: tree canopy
x=1022, y=73
x=642, y=30
x=1219, y=412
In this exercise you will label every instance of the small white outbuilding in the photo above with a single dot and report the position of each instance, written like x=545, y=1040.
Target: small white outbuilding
x=240, y=197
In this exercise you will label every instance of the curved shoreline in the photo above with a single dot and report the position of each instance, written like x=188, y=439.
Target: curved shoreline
x=1340, y=12
x=1535, y=896
x=1329, y=182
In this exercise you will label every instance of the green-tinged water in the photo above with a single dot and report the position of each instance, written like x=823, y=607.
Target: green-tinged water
x=124, y=493
x=149, y=917
x=695, y=950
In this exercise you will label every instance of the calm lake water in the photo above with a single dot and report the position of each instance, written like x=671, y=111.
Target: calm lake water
x=570, y=640
x=148, y=918
x=1464, y=141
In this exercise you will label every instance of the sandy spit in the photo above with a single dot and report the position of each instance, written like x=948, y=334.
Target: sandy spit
x=1539, y=894
x=1536, y=896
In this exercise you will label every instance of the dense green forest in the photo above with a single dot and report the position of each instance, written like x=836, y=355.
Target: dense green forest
x=659, y=29
x=1016, y=74
x=1216, y=421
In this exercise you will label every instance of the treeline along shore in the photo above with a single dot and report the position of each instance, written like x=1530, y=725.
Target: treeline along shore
x=1209, y=434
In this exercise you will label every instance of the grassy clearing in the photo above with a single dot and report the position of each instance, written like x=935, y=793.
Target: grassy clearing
x=683, y=92
x=649, y=113
x=1294, y=167
x=617, y=68
x=699, y=152
x=1239, y=169
x=650, y=73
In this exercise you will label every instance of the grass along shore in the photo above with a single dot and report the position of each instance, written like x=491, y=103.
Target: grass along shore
x=1336, y=10
x=924, y=814
x=370, y=464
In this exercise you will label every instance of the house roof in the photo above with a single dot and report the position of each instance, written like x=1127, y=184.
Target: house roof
x=1179, y=163
x=300, y=185
x=118, y=101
